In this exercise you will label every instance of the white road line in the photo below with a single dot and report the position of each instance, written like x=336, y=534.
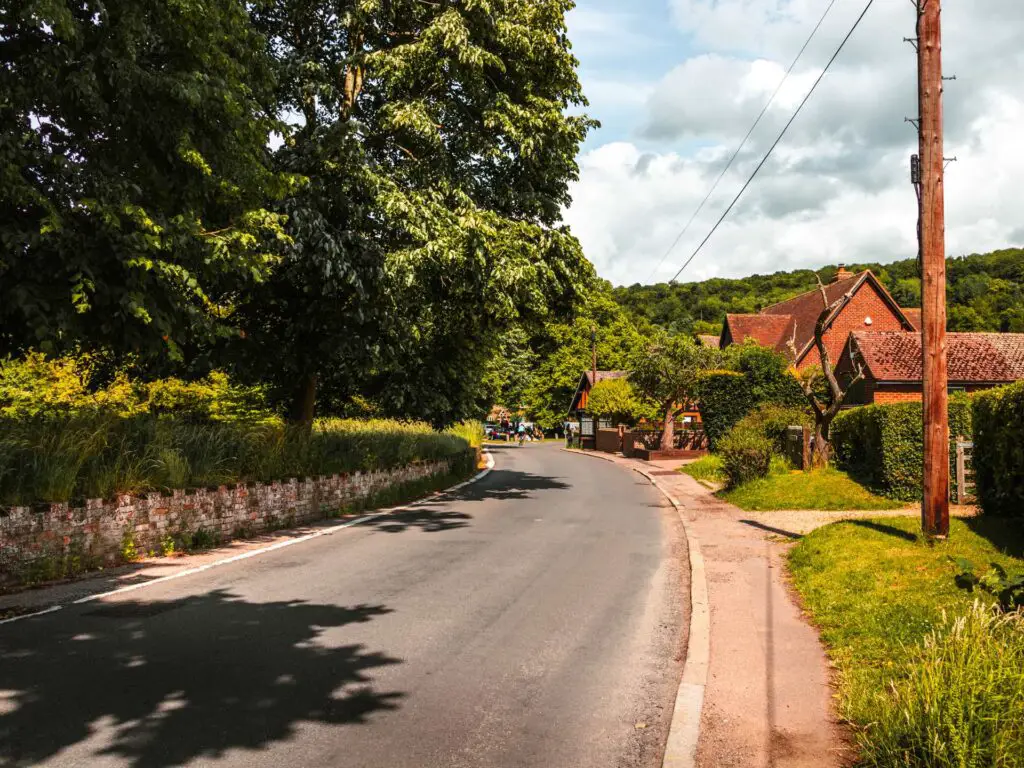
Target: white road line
x=264, y=550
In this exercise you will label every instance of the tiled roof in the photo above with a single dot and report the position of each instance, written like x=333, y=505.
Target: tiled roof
x=972, y=357
x=708, y=340
x=914, y=316
x=767, y=330
x=605, y=375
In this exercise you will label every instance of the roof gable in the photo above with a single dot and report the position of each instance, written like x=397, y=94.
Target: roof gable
x=806, y=308
x=587, y=381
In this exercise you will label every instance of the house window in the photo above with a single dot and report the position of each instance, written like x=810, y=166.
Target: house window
x=957, y=388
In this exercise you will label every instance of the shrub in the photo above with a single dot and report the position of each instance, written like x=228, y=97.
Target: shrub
x=957, y=701
x=883, y=445
x=771, y=422
x=746, y=455
x=999, y=449
x=618, y=400
x=37, y=386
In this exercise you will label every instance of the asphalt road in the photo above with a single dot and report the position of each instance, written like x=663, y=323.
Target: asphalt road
x=535, y=619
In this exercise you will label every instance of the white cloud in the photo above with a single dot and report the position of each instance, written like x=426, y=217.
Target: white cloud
x=837, y=188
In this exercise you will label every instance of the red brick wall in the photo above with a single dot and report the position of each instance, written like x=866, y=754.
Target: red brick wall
x=867, y=302
x=907, y=393
x=904, y=393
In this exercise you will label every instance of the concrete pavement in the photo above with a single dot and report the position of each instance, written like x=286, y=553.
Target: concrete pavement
x=534, y=619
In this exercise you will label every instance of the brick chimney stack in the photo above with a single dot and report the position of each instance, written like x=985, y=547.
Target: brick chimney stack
x=842, y=274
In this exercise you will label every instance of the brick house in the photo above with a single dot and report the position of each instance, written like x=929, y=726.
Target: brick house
x=893, y=364
x=866, y=305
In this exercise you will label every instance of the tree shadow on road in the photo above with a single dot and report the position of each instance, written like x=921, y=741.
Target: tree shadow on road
x=180, y=680
x=440, y=514
x=427, y=518
x=509, y=484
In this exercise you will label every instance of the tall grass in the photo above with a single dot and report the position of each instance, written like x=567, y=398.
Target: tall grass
x=958, y=700
x=61, y=457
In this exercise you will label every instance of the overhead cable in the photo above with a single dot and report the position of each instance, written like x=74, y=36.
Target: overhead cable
x=743, y=143
x=777, y=140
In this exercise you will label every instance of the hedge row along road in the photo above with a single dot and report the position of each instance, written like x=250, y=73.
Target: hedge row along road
x=535, y=618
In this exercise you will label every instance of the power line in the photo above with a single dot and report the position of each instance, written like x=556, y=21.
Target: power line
x=779, y=139
x=745, y=140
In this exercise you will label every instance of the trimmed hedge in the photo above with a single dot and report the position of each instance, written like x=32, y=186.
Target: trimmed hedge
x=728, y=396
x=59, y=458
x=725, y=398
x=883, y=445
x=999, y=449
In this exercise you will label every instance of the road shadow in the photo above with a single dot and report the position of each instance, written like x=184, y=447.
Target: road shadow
x=427, y=518
x=770, y=529
x=888, y=530
x=508, y=484
x=181, y=680
x=1006, y=534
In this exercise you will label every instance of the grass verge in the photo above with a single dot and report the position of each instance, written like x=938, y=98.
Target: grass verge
x=925, y=677
x=707, y=469
x=825, y=489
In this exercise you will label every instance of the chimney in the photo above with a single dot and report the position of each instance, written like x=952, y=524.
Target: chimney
x=842, y=274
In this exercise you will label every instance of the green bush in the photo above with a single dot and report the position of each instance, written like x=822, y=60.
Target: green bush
x=746, y=455
x=999, y=449
x=761, y=376
x=957, y=701
x=98, y=455
x=883, y=445
x=38, y=386
x=725, y=398
x=771, y=421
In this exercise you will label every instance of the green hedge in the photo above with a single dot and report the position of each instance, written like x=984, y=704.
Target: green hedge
x=727, y=396
x=746, y=455
x=999, y=449
x=883, y=445
x=59, y=458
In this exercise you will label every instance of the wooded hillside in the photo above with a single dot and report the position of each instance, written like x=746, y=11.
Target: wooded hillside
x=986, y=293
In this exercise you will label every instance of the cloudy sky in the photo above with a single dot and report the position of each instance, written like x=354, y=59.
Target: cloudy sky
x=677, y=83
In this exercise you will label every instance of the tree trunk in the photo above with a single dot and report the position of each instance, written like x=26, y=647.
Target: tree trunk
x=304, y=404
x=822, y=453
x=668, y=434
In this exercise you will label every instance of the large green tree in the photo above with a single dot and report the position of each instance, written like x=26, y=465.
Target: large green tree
x=438, y=147
x=565, y=351
x=133, y=172
x=667, y=372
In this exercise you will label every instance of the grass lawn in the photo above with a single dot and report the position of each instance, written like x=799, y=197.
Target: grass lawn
x=708, y=468
x=825, y=489
x=876, y=590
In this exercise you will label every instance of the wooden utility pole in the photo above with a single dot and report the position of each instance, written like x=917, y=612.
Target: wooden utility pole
x=935, y=505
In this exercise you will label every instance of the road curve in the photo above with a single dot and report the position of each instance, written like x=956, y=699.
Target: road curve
x=537, y=618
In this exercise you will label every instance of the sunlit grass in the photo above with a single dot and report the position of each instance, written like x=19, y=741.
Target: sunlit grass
x=824, y=489
x=878, y=590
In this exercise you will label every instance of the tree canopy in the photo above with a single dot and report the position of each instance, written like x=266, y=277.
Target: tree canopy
x=135, y=191
x=439, y=152
x=354, y=202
